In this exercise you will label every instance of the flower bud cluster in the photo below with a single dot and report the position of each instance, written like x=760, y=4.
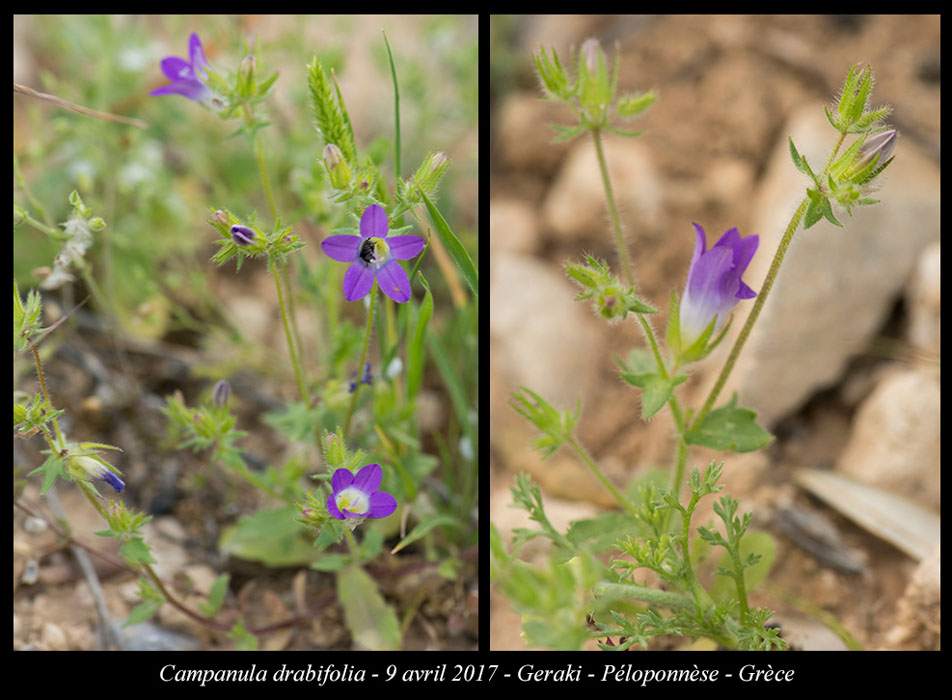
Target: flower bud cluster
x=592, y=95
x=611, y=299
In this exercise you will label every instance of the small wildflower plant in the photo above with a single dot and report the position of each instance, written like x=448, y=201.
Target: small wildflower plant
x=580, y=597
x=356, y=473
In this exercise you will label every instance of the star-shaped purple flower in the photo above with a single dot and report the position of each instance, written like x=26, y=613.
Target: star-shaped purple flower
x=186, y=76
x=373, y=255
x=714, y=283
x=357, y=496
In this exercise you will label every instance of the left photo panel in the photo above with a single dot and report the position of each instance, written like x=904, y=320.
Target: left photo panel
x=246, y=333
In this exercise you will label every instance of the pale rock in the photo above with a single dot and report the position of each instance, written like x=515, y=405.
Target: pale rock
x=513, y=227
x=837, y=285
x=525, y=137
x=919, y=610
x=575, y=205
x=540, y=337
x=895, y=439
x=924, y=298
x=53, y=638
x=727, y=181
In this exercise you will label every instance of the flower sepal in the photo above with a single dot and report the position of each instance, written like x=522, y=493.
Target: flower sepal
x=84, y=462
x=699, y=348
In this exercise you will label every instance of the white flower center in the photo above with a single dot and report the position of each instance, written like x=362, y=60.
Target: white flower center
x=353, y=500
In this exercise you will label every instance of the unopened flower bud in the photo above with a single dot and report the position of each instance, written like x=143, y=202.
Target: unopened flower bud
x=242, y=235
x=220, y=217
x=590, y=51
x=881, y=145
x=247, y=66
x=97, y=469
x=332, y=156
x=337, y=167
x=221, y=393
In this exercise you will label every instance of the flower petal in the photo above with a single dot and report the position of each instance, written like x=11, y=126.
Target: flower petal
x=113, y=480
x=405, y=247
x=332, y=505
x=700, y=245
x=382, y=504
x=744, y=253
x=368, y=479
x=358, y=280
x=176, y=68
x=196, y=53
x=394, y=282
x=342, y=248
x=342, y=479
x=373, y=222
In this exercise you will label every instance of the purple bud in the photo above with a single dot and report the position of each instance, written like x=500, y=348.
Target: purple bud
x=221, y=393
x=881, y=145
x=332, y=156
x=242, y=235
x=590, y=49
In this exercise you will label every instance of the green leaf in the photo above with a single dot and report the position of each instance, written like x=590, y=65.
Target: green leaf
x=372, y=623
x=729, y=428
x=423, y=528
x=566, y=133
x=656, y=390
x=796, y=157
x=272, y=537
x=754, y=542
x=143, y=611
x=601, y=532
x=244, y=640
x=216, y=596
x=136, y=551
x=332, y=562
x=626, y=134
x=453, y=246
x=815, y=210
x=415, y=349
x=53, y=467
x=396, y=109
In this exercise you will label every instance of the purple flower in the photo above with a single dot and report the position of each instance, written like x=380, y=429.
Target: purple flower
x=714, y=282
x=99, y=470
x=242, y=235
x=373, y=255
x=356, y=496
x=367, y=379
x=186, y=76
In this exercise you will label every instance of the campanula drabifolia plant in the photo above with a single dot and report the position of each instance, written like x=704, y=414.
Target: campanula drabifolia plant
x=369, y=477
x=585, y=598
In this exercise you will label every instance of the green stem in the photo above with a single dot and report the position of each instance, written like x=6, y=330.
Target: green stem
x=613, y=211
x=754, y=312
x=352, y=543
x=296, y=334
x=363, y=358
x=46, y=393
x=299, y=375
x=593, y=467
x=741, y=584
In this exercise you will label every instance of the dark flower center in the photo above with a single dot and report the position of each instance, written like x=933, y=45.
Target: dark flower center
x=373, y=251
